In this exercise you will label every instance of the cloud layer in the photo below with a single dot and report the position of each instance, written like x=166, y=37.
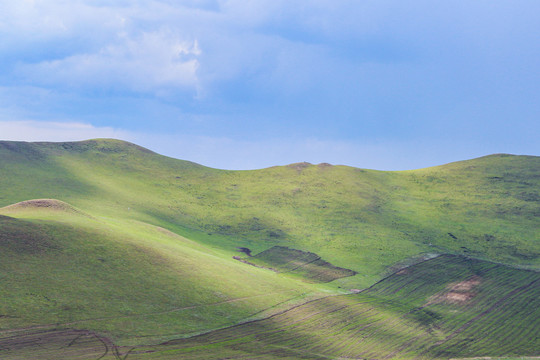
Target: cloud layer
x=456, y=75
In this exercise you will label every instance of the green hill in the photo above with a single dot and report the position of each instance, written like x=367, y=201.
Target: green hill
x=109, y=237
x=363, y=220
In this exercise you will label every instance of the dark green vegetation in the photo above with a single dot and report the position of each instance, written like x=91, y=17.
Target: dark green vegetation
x=308, y=266
x=138, y=248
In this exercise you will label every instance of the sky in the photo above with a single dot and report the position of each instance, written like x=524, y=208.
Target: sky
x=236, y=84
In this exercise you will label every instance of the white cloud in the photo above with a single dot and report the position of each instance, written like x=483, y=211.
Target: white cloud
x=86, y=45
x=149, y=62
x=28, y=130
x=153, y=45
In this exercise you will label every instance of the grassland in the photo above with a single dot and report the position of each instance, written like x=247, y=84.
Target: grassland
x=363, y=220
x=63, y=268
x=131, y=247
x=447, y=307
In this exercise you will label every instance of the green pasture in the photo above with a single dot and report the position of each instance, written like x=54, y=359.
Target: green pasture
x=137, y=248
x=363, y=220
x=124, y=278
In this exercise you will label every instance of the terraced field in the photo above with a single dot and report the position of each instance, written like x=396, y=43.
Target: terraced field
x=309, y=266
x=56, y=344
x=447, y=307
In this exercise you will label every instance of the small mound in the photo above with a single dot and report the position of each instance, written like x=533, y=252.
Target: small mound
x=49, y=204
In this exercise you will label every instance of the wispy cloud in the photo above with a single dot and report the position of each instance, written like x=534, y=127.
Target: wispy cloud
x=28, y=130
x=150, y=45
x=149, y=62
x=87, y=45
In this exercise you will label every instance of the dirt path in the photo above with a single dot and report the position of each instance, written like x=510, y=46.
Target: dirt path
x=55, y=344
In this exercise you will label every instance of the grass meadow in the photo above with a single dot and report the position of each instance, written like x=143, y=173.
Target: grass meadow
x=108, y=246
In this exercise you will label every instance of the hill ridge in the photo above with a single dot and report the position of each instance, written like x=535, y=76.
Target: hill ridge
x=112, y=145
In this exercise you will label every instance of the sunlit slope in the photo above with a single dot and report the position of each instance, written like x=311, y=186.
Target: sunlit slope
x=447, y=307
x=362, y=220
x=63, y=268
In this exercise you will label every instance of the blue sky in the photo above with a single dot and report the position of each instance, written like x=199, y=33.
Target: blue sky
x=241, y=84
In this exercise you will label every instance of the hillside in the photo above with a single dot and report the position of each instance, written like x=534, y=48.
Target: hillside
x=363, y=220
x=124, y=278
x=472, y=308
x=107, y=237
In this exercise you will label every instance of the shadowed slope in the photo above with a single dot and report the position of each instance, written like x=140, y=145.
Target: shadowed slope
x=122, y=278
x=309, y=266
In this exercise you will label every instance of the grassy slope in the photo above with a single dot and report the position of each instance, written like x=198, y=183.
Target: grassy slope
x=362, y=220
x=446, y=307
x=109, y=262
x=61, y=267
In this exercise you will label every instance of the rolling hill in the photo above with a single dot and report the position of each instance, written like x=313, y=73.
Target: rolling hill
x=120, y=243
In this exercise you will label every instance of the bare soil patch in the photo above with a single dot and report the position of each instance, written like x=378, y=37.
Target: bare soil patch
x=466, y=285
x=458, y=293
x=41, y=203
